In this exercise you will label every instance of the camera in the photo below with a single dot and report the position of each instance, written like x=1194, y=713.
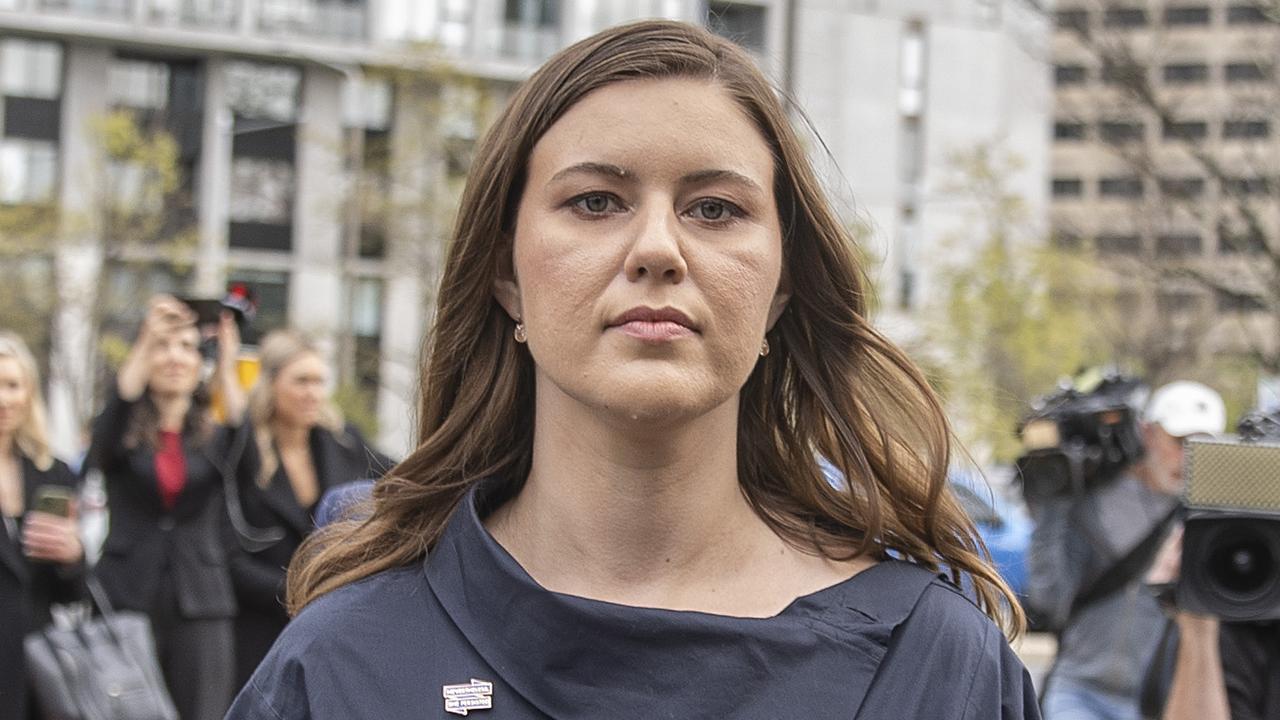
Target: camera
x=1076, y=440
x=1231, y=546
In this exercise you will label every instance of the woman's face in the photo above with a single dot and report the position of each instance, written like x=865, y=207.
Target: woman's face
x=647, y=251
x=15, y=396
x=300, y=391
x=175, y=362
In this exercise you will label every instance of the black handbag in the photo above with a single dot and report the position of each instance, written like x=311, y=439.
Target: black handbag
x=99, y=668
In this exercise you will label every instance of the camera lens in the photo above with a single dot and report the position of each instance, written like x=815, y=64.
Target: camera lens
x=1242, y=564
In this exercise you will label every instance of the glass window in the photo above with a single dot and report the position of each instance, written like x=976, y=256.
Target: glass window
x=1178, y=244
x=30, y=68
x=1245, y=14
x=1185, y=129
x=1118, y=244
x=1251, y=129
x=911, y=70
x=1124, y=17
x=28, y=171
x=258, y=90
x=366, y=103
x=1119, y=131
x=261, y=191
x=1186, y=73
x=742, y=23
x=1069, y=131
x=539, y=13
x=138, y=84
x=1246, y=186
x=1070, y=74
x=1247, y=72
x=1182, y=187
x=366, y=307
x=1187, y=15
x=1074, y=19
x=1120, y=187
x=1067, y=187
x=1236, y=302
x=1230, y=243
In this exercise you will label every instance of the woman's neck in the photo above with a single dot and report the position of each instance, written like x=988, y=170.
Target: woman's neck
x=173, y=410
x=634, y=513
x=8, y=447
x=290, y=436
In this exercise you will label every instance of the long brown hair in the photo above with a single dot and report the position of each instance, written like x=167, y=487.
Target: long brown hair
x=832, y=386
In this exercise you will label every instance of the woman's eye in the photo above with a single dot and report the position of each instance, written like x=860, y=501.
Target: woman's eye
x=595, y=203
x=713, y=210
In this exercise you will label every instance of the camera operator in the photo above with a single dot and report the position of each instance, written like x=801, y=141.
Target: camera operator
x=1223, y=670
x=1090, y=549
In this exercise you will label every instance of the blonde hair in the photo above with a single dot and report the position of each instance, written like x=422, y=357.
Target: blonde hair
x=833, y=387
x=278, y=349
x=32, y=438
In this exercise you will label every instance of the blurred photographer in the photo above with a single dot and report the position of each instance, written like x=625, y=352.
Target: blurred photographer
x=1097, y=532
x=1227, y=670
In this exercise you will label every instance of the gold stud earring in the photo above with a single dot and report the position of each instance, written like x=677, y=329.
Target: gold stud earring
x=764, y=347
x=520, y=334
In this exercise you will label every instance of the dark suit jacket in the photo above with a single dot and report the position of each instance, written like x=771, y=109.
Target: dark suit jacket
x=259, y=576
x=147, y=544
x=27, y=589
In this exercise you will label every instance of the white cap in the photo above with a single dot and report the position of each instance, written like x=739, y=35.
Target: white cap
x=1185, y=408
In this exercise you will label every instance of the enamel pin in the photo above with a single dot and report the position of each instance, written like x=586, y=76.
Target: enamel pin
x=462, y=699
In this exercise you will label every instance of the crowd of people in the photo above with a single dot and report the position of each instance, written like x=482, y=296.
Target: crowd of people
x=173, y=550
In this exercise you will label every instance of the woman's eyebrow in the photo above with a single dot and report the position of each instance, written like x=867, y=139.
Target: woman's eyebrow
x=706, y=176
x=595, y=168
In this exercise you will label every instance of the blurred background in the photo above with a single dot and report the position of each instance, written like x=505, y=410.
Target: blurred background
x=1038, y=187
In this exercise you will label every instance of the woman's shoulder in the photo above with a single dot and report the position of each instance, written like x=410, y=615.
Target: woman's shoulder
x=56, y=473
x=323, y=657
x=964, y=658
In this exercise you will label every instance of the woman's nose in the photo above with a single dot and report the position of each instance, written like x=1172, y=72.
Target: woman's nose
x=656, y=252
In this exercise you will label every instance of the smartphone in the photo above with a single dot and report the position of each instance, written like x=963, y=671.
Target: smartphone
x=208, y=312
x=54, y=500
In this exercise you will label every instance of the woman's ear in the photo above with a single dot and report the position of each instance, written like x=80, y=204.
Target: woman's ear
x=506, y=290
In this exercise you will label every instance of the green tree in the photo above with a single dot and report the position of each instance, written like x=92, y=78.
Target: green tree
x=1017, y=314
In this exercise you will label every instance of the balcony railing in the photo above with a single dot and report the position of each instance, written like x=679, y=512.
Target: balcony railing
x=342, y=20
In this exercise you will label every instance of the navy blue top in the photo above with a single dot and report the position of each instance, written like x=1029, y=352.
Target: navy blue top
x=894, y=641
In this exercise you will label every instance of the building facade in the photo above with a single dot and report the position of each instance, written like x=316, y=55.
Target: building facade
x=1165, y=156
x=317, y=167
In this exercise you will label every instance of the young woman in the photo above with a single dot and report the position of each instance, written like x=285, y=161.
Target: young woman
x=301, y=449
x=41, y=558
x=163, y=458
x=651, y=327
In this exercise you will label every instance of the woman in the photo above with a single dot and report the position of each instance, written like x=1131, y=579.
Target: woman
x=41, y=558
x=302, y=448
x=163, y=459
x=650, y=328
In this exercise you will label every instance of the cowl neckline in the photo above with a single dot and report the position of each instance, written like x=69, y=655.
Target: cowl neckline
x=571, y=656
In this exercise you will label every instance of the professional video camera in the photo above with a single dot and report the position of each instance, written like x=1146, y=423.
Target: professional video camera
x=1075, y=440
x=1231, y=547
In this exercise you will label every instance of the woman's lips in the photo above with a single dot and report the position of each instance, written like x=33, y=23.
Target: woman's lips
x=654, y=330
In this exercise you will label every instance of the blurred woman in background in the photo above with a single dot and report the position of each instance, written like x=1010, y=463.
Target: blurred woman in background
x=301, y=447
x=163, y=459
x=41, y=557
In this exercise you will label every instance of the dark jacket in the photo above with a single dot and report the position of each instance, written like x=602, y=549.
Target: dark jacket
x=259, y=576
x=148, y=542
x=468, y=629
x=27, y=589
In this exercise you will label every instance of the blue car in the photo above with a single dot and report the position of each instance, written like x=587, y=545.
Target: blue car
x=1005, y=528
